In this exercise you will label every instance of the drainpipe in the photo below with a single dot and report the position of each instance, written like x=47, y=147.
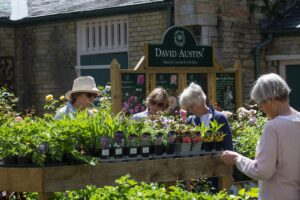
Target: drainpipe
x=257, y=51
x=170, y=5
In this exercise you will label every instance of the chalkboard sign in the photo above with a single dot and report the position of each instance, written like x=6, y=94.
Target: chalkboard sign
x=198, y=78
x=226, y=91
x=168, y=81
x=133, y=92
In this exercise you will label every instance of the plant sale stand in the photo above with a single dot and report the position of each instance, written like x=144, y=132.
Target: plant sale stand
x=46, y=180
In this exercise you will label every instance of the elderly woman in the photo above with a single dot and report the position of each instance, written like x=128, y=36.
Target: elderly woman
x=277, y=161
x=81, y=97
x=156, y=101
x=193, y=100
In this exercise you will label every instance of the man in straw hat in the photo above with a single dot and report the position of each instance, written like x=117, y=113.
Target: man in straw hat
x=81, y=97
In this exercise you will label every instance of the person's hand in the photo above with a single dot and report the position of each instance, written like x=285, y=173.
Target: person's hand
x=229, y=157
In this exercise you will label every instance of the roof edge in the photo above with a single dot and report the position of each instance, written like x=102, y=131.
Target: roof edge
x=89, y=14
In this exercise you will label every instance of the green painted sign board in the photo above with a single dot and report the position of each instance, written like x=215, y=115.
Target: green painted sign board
x=133, y=87
x=179, y=49
x=225, y=91
x=168, y=81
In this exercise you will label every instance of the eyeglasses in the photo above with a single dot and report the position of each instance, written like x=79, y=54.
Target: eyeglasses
x=90, y=95
x=158, y=104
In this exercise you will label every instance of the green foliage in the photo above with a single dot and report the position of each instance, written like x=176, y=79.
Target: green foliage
x=7, y=104
x=128, y=189
x=246, y=130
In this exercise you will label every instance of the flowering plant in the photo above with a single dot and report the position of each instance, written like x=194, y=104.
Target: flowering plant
x=132, y=105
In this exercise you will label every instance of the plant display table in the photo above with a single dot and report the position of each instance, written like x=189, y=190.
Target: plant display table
x=45, y=180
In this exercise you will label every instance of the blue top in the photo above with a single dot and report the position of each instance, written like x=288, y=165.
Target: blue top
x=220, y=118
x=67, y=110
x=141, y=115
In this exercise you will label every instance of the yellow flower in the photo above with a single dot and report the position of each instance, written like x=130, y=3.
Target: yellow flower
x=49, y=97
x=62, y=98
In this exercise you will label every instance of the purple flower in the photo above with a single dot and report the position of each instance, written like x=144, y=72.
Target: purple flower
x=140, y=79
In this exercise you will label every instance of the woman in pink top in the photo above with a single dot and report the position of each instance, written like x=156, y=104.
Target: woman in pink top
x=277, y=162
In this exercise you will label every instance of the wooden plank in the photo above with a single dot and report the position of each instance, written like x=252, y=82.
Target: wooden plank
x=161, y=170
x=115, y=81
x=21, y=179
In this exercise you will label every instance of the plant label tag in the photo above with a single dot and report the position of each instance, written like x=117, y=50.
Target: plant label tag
x=133, y=150
x=119, y=151
x=145, y=150
x=105, y=152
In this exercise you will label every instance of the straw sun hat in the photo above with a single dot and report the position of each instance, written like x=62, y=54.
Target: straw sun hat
x=83, y=84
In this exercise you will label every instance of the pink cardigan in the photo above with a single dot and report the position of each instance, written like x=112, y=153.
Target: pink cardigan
x=277, y=161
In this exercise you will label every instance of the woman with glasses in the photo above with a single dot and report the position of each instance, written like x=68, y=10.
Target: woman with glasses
x=276, y=165
x=81, y=97
x=156, y=101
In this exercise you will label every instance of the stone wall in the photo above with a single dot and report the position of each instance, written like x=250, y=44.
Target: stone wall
x=284, y=45
x=7, y=41
x=145, y=27
x=232, y=26
x=46, y=56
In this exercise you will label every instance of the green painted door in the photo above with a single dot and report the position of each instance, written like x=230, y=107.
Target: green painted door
x=292, y=78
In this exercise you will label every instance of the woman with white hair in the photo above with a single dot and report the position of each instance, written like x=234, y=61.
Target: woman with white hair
x=277, y=162
x=193, y=100
x=81, y=97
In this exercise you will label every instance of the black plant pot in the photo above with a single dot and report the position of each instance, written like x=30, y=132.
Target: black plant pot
x=219, y=146
x=105, y=153
x=158, y=150
x=170, y=149
x=145, y=151
x=118, y=152
x=93, y=152
x=209, y=146
x=133, y=152
x=24, y=160
x=11, y=160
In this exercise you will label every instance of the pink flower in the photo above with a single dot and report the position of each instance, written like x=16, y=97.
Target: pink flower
x=140, y=79
x=18, y=119
x=136, y=108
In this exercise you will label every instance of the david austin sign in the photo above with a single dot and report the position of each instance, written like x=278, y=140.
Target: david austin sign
x=179, y=49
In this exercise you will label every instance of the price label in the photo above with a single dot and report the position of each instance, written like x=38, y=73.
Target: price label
x=145, y=150
x=119, y=151
x=105, y=152
x=133, y=150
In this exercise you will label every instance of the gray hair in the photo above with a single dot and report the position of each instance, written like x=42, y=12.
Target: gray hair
x=270, y=86
x=192, y=95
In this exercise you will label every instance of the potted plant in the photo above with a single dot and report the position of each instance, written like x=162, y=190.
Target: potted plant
x=119, y=144
x=197, y=136
x=183, y=140
x=217, y=134
x=133, y=130
x=159, y=143
x=208, y=140
x=171, y=138
x=145, y=145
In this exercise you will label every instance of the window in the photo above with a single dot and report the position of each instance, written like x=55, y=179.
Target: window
x=104, y=35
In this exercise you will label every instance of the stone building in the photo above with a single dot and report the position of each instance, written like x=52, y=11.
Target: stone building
x=58, y=40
